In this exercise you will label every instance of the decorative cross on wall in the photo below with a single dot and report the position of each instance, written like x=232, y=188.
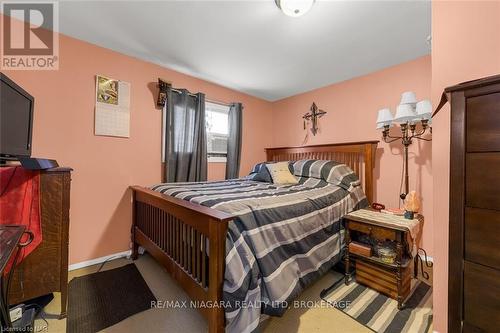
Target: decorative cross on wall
x=313, y=116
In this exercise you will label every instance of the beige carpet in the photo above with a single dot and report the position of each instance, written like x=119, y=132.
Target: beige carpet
x=301, y=319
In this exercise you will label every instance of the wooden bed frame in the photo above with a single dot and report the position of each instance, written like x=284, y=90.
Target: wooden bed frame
x=176, y=232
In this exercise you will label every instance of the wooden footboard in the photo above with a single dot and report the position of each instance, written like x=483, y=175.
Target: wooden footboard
x=189, y=241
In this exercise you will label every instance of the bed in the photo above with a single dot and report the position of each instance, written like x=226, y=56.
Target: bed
x=196, y=229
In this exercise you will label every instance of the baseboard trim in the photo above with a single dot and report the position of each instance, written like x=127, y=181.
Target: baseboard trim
x=100, y=260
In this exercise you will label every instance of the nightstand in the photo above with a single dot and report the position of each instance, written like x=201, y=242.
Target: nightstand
x=391, y=279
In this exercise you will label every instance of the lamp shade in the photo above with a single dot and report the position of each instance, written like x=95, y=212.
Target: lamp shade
x=424, y=109
x=404, y=113
x=408, y=97
x=381, y=125
x=384, y=117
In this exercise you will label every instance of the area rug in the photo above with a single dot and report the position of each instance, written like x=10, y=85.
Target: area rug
x=102, y=299
x=379, y=312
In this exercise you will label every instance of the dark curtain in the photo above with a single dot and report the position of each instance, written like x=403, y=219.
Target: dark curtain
x=234, y=141
x=186, y=138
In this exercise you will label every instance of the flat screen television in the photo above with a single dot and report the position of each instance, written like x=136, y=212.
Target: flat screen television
x=16, y=120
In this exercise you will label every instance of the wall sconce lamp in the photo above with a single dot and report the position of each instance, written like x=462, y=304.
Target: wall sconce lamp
x=409, y=113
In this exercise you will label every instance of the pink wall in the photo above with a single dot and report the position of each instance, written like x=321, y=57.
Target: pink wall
x=103, y=166
x=352, y=110
x=465, y=46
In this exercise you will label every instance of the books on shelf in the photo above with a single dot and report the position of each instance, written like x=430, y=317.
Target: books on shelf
x=361, y=249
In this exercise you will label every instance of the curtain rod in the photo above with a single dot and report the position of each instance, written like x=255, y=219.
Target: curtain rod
x=206, y=99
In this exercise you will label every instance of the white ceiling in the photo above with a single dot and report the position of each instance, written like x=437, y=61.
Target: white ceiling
x=251, y=46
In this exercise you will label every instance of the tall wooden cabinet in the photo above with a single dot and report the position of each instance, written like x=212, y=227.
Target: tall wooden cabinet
x=474, y=247
x=45, y=270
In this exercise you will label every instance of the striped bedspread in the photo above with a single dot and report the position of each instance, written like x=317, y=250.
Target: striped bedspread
x=282, y=239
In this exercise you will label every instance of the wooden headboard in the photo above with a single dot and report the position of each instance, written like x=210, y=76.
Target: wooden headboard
x=359, y=156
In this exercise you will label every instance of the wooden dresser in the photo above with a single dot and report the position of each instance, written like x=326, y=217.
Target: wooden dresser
x=45, y=270
x=474, y=245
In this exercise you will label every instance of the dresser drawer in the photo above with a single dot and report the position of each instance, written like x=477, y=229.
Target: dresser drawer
x=481, y=297
x=483, y=123
x=372, y=230
x=482, y=239
x=483, y=180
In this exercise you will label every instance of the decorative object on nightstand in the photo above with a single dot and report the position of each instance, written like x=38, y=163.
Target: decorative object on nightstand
x=411, y=204
x=409, y=113
x=387, y=254
x=387, y=269
x=378, y=206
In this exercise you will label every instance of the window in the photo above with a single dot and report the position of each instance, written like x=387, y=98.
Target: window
x=217, y=122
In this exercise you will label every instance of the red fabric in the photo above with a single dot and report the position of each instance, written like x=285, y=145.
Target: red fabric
x=20, y=204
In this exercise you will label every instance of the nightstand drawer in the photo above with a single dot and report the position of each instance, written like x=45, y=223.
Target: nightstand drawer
x=383, y=280
x=373, y=231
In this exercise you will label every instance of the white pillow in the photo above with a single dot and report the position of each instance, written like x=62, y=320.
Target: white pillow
x=280, y=173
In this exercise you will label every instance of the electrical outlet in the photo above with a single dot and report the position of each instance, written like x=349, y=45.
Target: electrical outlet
x=16, y=313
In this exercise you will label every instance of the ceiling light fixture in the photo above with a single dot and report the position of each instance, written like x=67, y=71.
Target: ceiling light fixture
x=294, y=8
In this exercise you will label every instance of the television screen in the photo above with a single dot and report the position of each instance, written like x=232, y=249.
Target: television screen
x=16, y=118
